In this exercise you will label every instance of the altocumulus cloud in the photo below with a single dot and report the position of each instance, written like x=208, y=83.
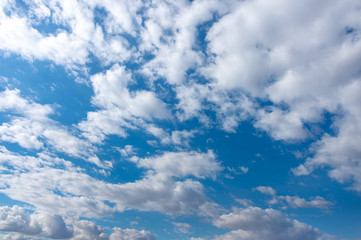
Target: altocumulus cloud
x=161, y=76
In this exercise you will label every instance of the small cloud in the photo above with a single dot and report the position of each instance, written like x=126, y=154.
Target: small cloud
x=134, y=223
x=265, y=190
x=182, y=227
x=127, y=151
x=244, y=202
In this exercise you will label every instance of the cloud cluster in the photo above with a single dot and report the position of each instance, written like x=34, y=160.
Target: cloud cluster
x=19, y=224
x=265, y=50
x=119, y=108
x=31, y=127
x=43, y=180
x=15, y=219
x=243, y=60
x=294, y=201
x=256, y=223
x=281, y=65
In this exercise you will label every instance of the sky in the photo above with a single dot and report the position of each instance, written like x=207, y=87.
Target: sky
x=187, y=119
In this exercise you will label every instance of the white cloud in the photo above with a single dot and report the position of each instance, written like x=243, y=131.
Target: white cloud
x=293, y=201
x=180, y=138
x=127, y=151
x=76, y=36
x=32, y=128
x=15, y=219
x=264, y=50
x=175, y=53
x=266, y=190
x=244, y=202
x=297, y=202
x=182, y=227
x=131, y=234
x=21, y=38
x=340, y=151
x=18, y=224
x=57, y=187
x=256, y=223
x=182, y=164
x=86, y=230
x=119, y=107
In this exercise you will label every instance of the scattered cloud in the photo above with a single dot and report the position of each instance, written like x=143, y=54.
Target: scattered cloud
x=256, y=223
x=266, y=190
x=294, y=201
x=15, y=219
x=119, y=108
x=165, y=70
x=32, y=128
x=182, y=227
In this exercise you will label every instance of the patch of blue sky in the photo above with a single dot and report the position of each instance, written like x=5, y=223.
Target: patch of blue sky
x=46, y=83
x=6, y=201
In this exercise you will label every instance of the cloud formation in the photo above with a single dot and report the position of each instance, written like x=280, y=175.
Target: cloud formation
x=256, y=223
x=171, y=71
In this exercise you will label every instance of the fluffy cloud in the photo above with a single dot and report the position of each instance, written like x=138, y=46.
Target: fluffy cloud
x=281, y=65
x=293, y=201
x=120, y=108
x=131, y=234
x=266, y=190
x=86, y=230
x=263, y=51
x=182, y=164
x=20, y=225
x=15, y=219
x=43, y=180
x=182, y=227
x=32, y=128
x=297, y=202
x=256, y=223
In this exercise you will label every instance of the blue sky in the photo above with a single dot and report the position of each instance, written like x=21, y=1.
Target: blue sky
x=196, y=120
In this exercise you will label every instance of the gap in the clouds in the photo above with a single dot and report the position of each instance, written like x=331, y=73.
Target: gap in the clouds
x=47, y=28
x=21, y=8
x=346, y=206
x=324, y=126
x=100, y=15
x=7, y=201
x=95, y=65
x=201, y=43
x=124, y=171
x=268, y=162
x=349, y=30
x=46, y=83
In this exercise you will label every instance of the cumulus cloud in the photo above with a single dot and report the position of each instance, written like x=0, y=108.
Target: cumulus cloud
x=131, y=234
x=298, y=202
x=16, y=219
x=180, y=138
x=182, y=164
x=19, y=224
x=32, y=128
x=280, y=65
x=119, y=108
x=266, y=190
x=86, y=230
x=43, y=180
x=262, y=50
x=293, y=201
x=182, y=227
x=256, y=223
